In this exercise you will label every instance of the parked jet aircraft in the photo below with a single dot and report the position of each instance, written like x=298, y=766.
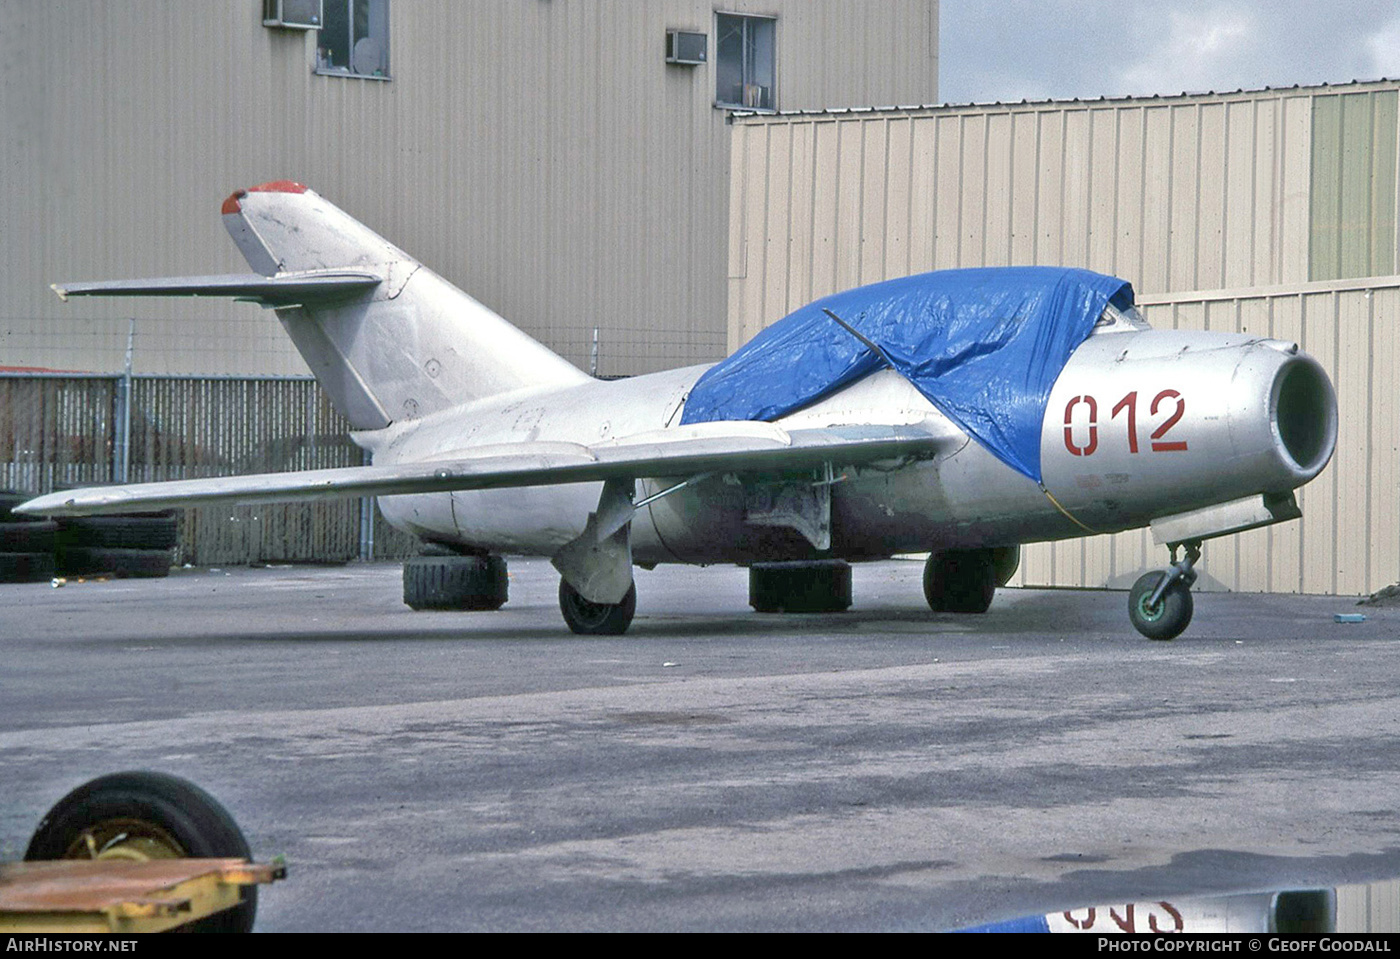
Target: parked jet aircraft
x=962, y=413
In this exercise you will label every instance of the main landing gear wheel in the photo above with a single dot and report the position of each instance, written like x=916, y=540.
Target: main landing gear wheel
x=596, y=619
x=141, y=816
x=960, y=580
x=1160, y=603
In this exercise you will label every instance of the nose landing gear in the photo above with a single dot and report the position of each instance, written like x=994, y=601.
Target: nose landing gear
x=1159, y=603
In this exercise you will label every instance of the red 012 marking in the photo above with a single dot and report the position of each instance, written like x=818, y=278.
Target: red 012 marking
x=1093, y=441
x=1175, y=418
x=1128, y=406
x=1128, y=921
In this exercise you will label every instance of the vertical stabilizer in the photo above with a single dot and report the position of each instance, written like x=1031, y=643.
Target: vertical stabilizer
x=412, y=345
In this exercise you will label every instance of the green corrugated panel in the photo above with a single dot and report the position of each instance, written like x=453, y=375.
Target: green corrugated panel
x=1383, y=185
x=1323, y=246
x=1353, y=213
x=1354, y=229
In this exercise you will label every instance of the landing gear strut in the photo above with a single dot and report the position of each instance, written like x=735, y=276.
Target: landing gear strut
x=1159, y=603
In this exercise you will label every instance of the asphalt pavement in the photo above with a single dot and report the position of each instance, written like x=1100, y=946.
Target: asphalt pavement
x=716, y=768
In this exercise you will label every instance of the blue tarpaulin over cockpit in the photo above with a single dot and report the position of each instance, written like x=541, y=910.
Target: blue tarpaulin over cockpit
x=985, y=346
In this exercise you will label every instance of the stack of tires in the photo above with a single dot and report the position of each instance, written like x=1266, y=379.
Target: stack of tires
x=128, y=545
x=812, y=586
x=26, y=544
x=441, y=578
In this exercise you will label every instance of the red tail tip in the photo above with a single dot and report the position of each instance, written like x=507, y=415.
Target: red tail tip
x=272, y=186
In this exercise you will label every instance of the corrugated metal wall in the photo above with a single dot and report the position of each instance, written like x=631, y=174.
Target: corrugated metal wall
x=542, y=156
x=1174, y=193
x=1370, y=907
x=57, y=430
x=1212, y=206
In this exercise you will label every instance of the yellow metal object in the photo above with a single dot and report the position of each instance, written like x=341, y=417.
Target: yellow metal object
x=122, y=892
x=132, y=840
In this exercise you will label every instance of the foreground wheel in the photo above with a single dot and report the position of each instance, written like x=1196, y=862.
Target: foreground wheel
x=960, y=580
x=1169, y=617
x=819, y=586
x=596, y=619
x=140, y=816
x=455, y=582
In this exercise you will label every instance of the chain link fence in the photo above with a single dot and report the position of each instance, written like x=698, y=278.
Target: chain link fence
x=61, y=430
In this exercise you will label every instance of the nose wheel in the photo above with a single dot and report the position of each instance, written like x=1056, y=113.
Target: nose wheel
x=1160, y=604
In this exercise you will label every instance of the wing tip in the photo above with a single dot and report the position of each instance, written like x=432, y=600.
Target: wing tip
x=49, y=504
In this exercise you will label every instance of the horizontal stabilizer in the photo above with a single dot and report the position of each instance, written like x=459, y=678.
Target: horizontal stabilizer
x=282, y=289
x=715, y=447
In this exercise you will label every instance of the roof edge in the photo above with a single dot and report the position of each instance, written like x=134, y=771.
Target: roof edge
x=756, y=115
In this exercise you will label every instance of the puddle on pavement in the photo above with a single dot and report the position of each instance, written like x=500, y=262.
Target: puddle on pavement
x=1363, y=908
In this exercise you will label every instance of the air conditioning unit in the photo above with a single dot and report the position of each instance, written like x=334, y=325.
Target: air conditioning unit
x=685, y=47
x=292, y=14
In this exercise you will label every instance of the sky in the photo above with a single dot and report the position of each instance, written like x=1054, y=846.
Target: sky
x=1061, y=49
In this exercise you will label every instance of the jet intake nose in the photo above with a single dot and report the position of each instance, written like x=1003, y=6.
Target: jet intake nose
x=1303, y=412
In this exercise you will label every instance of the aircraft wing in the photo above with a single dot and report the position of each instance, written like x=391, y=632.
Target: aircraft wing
x=284, y=289
x=731, y=447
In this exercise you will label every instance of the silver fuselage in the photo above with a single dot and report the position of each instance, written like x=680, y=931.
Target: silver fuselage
x=1140, y=425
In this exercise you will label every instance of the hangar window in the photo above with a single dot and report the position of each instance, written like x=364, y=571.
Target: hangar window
x=745, y=56
x=354, y=39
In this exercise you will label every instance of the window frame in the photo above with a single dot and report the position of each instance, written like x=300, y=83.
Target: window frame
x=324, y=69
x=745, y=76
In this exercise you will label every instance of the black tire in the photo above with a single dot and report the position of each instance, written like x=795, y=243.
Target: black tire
x=455, y=582
x=121, y=563
x=1170, y=617
x=960, y=580
x=819, y=586
x=145, y=815
x=32, y=537
x=120, y=532
x=26, y=567
x=596, y=619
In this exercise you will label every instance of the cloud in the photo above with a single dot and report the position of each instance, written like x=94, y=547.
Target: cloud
x=1201, y=50
x=1090, y=48
x=1383, y=46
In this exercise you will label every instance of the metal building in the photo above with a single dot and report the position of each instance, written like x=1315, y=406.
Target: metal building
x=564, y=161
x=1271, y=211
